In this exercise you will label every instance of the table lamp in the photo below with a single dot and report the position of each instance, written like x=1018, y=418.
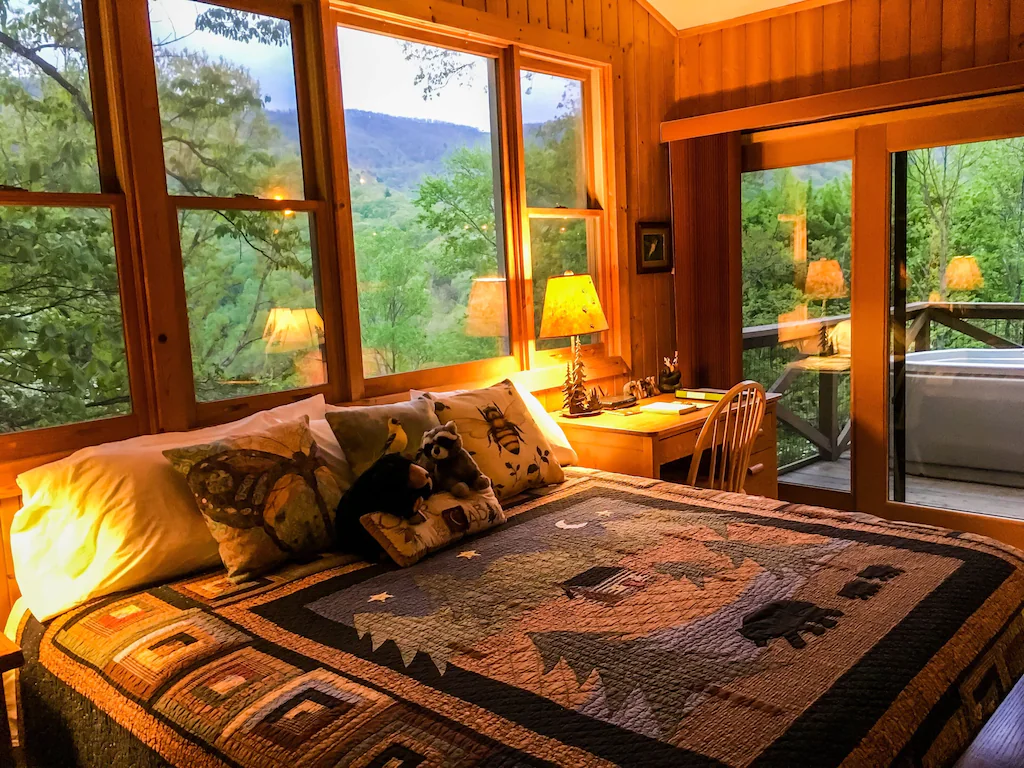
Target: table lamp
x=964, y=274
x=572, y=308
x=298, y=330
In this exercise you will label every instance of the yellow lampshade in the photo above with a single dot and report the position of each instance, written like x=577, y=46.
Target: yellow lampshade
x=825, y=280
x=487, y=311
x=291, y=330
x=571, y=307
x=964, y=274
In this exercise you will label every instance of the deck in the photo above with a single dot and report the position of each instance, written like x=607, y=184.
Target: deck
x=923, y=491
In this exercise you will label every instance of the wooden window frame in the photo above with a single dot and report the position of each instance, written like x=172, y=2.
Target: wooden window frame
x=178, y=408
x=110, y=197
x=510, y=59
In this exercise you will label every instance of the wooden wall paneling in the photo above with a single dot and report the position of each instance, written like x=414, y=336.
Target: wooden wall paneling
x=641, y=343
x=556, y=15
x=991, y=31
x=688, y=77
x=576, y=17
x=498, y=7
x=894, y=40
x=711, y=72
x=610, y=24
x=518, y=12
x=957, y=34
x=592, y=19
x=925, y=37
x=734, y=68
x=628, y=164
x=865, y=18
x=706, y=194
x=476, y=5
x=782, y=58
x=537, y=12
x=758, y=37
x=1016, y=30
x=836, y=47
x=810, y=65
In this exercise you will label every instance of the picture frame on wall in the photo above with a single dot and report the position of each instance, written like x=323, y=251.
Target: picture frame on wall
x=653, y=247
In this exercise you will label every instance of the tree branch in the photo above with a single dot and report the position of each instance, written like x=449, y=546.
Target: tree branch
x=51, y=71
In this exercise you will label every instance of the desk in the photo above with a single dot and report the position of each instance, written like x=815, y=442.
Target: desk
x=642, y=443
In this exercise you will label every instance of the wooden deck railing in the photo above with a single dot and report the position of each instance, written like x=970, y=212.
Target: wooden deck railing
x=828, y=436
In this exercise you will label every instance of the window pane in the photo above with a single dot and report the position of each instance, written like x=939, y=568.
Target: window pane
x=426, y=205
x=958, y=365
x=46, y=121
x=226, y=83
x=62, y=353
x=553, y=133
x=796, y=312
x=253, y=305
x=556, y=246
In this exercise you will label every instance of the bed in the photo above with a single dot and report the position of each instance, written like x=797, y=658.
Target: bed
x=611, y=620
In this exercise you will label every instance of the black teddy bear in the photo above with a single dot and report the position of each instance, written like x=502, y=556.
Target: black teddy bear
x=393, y=484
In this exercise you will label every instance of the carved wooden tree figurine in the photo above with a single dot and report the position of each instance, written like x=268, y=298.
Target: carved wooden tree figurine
x=575, y=390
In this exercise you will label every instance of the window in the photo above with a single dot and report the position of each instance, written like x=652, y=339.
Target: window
x=234, y=163
x=796, y=312
x=62, y=340
x=558, y=172
x=424, y=158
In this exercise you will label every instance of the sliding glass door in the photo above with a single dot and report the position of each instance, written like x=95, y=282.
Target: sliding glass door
x=797, y=334
x=957, y=365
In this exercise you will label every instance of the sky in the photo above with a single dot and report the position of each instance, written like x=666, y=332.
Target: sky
x=376, y=77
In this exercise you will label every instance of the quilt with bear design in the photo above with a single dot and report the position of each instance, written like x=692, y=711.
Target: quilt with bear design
x=611, y=620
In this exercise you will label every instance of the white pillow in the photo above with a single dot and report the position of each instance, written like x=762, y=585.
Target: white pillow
x=117, y=516
x=560, y=447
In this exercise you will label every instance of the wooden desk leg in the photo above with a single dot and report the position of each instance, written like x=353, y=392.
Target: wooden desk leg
x=6, y=748
x=652, y=459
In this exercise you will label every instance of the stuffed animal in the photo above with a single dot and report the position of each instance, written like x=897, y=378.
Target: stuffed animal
x=450, y=464
x=394, y=484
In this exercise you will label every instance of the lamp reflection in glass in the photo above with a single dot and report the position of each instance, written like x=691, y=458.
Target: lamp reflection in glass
x=487, y=309
x=572, y=308
x=292, y=331
x=964, y=274
x=825, y=280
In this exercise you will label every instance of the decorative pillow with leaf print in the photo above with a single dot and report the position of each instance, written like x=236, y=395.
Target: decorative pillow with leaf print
x=497, y=429
x=267, y=497
x=443, y=519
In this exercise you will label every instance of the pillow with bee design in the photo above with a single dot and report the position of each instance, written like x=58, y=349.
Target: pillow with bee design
x=267, y=497
x=503, y=438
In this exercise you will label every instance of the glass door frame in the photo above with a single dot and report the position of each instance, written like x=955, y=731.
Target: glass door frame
x=771, y=150
x=872, y=140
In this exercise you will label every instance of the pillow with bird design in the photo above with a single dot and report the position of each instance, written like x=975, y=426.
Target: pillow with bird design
x=497, y=429
x=267, y=497
x=365, y=433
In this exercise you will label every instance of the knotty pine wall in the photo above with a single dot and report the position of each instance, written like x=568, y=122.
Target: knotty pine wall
x=646, y=65
x=842, y=45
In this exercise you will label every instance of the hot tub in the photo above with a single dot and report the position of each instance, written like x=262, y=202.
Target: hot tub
x=965, y=415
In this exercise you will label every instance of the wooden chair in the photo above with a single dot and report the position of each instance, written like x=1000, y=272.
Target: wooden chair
x=729, y=433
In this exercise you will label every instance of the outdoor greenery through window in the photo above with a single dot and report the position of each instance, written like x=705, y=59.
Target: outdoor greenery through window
x=426, y=206
x=958, y=367
x=796, y=312
x=554, y=140
x=229, y=118
x=62, y=348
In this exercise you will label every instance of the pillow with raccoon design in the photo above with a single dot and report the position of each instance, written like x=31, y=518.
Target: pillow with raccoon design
x=501, y=436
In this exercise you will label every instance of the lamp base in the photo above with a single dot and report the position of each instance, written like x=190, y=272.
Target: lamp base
x=576, y=402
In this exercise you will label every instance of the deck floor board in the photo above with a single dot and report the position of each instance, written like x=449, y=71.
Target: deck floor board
x=923, y=491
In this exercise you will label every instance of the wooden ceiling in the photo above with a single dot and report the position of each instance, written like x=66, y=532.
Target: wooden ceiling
x=695, y=15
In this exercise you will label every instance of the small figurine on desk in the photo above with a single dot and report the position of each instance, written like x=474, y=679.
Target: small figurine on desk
x=641, y=388
x=669, y=378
